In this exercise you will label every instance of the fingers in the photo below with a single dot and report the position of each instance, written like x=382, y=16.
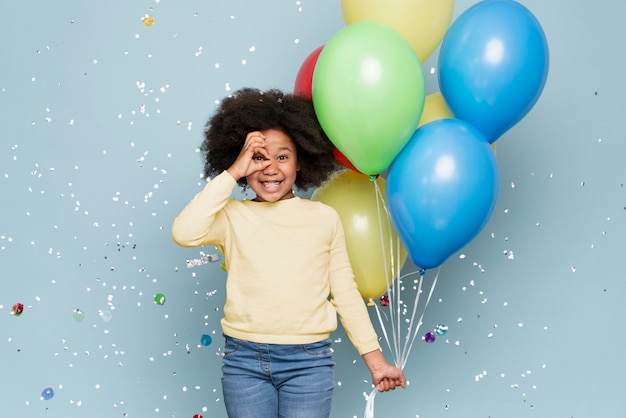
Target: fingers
x=245, y=163
x=393, y=378
x=254, y=139
x=255, y=144
x=387, y=384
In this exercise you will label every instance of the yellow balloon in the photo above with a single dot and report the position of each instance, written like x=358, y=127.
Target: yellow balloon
x=435, y=108
x=423, y=23
x=375, y=261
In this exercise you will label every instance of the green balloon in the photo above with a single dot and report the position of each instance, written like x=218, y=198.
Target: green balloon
x=368, y=93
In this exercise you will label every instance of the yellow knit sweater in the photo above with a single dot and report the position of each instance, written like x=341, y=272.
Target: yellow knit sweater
x=289, y=274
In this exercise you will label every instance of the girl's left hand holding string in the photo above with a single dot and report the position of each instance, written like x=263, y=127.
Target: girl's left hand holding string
x=384, y=376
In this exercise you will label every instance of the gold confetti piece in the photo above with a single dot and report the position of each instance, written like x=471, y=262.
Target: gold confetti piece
x=148, y=20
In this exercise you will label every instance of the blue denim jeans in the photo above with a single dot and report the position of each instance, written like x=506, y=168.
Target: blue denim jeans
x=276, y=380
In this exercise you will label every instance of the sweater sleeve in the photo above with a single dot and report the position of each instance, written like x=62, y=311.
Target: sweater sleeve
x=197, y=224
x=346, y=298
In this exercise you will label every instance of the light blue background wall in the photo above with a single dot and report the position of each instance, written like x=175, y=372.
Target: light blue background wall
x=99, y=123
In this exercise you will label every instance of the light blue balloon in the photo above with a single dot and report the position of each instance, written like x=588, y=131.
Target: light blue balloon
x=493, y=65
x=441, y=190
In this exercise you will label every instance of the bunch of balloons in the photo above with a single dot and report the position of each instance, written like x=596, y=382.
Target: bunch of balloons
x=374, y=249
x=436, y=151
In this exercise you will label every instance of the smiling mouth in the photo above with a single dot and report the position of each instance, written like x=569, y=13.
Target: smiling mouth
x=271, y=184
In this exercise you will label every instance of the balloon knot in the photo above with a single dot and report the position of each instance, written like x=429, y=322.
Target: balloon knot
x=422, y=272
x=373, y=177
x=370, y=303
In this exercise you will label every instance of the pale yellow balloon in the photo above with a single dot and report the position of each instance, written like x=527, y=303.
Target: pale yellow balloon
x=423, y=23
x=435, y=108
x=374, y=257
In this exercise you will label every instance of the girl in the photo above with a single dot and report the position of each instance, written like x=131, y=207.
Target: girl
x=288, y=269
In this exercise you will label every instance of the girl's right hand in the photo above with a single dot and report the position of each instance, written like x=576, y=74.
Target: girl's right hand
x=252, y=158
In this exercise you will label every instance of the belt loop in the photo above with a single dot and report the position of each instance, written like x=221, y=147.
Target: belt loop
x=265, y=359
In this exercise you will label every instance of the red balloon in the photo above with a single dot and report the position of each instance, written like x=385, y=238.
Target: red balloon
x=343, y=160
x=304, y=79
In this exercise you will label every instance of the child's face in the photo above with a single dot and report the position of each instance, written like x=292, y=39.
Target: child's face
x=275, y=181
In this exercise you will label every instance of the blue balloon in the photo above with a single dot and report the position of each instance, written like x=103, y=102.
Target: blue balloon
x=441, y=190
x=493, y=65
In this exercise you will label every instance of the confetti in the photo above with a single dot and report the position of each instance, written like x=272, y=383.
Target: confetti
x=17, y=309
x=209, y=258
x=159, y=299
x=206, y=340
x=148, y=20
x=97, y=161
x=47, y=393
x=441, y=329
x=78, y=315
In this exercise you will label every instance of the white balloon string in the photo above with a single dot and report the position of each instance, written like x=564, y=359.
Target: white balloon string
x=395, y=261
x=396, y=297
x=398, y=307
x=380, y=229
x=382, y=326
x=400, y=350
x=389, y=282
x=369, y=405
x=419, y=324
x=413, y=331
x=412, y=321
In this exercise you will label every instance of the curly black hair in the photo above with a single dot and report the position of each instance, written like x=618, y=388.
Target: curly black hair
x=250, y=110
